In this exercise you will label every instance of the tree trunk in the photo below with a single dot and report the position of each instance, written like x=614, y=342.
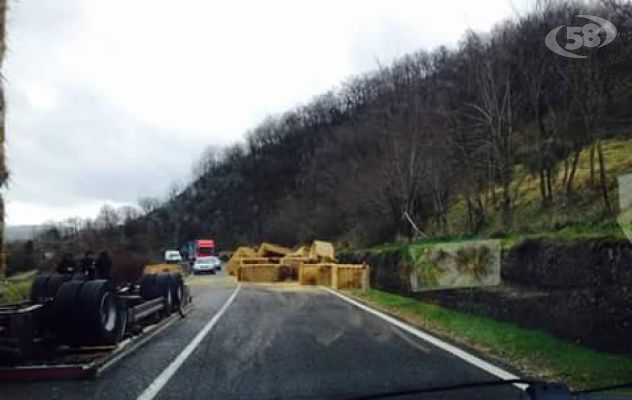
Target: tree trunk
x=543, y=188
x=548, y=184
x=481, y=217
x=591, y=181
x=3, y=168
x=469, y=222
x=506, y=200
x=571, y=176
x=440, y=211
x=603, y=177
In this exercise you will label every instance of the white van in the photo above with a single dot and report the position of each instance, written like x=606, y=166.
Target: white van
x=173, y=257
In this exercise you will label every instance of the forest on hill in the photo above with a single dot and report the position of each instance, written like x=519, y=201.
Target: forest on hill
x=388, y=154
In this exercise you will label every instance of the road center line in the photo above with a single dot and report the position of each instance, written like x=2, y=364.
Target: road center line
x=162, y=379
x=463, y=355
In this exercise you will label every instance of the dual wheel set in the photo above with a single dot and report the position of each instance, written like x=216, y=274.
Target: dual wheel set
x=80, y=311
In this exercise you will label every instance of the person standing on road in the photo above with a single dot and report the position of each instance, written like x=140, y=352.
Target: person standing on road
x=87, y=264
x=67, y=264
x=103, y=265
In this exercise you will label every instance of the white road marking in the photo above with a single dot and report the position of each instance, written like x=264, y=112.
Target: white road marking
x=162, y=379
x=463, y=355
x=412, y=342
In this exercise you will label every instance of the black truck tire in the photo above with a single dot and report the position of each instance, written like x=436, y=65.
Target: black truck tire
x=89, y=312
x=38, y=288
x=164, y=286
x=65, y=322
x=54, y=283
x=46, y=286
x=148, y=288
x=178, y=289
x=80, y=277
x=103, y=315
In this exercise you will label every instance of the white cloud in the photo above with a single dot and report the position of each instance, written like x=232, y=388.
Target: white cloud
x=41, y=98
x=21, y=213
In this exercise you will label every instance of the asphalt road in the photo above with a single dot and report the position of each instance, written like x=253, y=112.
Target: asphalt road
x=274, y=342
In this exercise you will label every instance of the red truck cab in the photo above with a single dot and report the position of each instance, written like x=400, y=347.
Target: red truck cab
x=204, y=248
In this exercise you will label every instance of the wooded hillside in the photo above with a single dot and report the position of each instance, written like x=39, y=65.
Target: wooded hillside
x=387, y=153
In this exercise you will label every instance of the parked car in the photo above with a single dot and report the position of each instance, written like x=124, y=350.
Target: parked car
x=173, y=257
x=207, y=264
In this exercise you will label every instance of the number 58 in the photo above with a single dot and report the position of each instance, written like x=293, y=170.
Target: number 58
x=587, y=35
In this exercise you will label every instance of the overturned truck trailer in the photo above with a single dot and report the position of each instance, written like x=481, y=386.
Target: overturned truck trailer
x=74, y=327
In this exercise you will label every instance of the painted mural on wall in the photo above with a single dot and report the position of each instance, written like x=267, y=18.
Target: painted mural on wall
x=456, y=265
x=625, y=204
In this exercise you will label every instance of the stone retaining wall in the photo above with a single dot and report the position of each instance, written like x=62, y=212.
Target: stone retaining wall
x=579, y=290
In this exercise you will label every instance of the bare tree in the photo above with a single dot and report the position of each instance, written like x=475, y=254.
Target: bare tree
x=211, y=158
x=495, y=108
x=128, y=213
x=107, y=218
x=148, y=204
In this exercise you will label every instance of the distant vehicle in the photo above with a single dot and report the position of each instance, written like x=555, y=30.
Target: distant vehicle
x=207, y=265
x=218, y=263
x=173, y=257
x=201, y=248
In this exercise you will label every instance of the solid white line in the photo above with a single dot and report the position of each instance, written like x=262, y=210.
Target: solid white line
x=162, y=379
x=463, y=355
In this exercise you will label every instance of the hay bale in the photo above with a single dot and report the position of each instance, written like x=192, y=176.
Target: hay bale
x=272, y=250
x=288, y=272
x=350, y=276
x=246, y=262
x=322, y=251
x=338, y=276
x=244, y=251
x=163, y=267
x=301, y=251
x=258, y=273
x=255, y=260
x=315, y=274
x=233, y=264
x=292, y=261
x=290, y=267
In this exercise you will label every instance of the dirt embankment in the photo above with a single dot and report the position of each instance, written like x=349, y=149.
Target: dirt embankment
x=579, y=290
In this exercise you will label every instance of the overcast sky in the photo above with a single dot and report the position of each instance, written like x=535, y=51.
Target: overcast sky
x=112, y=100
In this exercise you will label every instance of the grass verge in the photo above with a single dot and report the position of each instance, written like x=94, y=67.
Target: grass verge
x=535, y=352
x=17, y=288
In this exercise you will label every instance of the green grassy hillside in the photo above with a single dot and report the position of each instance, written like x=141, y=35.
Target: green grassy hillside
x=581, y=213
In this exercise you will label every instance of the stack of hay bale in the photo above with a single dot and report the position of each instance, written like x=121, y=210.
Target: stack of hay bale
x=290, y=263
x=234, y=262
x=309, y=265
x=317, y=270
x=264, y=266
